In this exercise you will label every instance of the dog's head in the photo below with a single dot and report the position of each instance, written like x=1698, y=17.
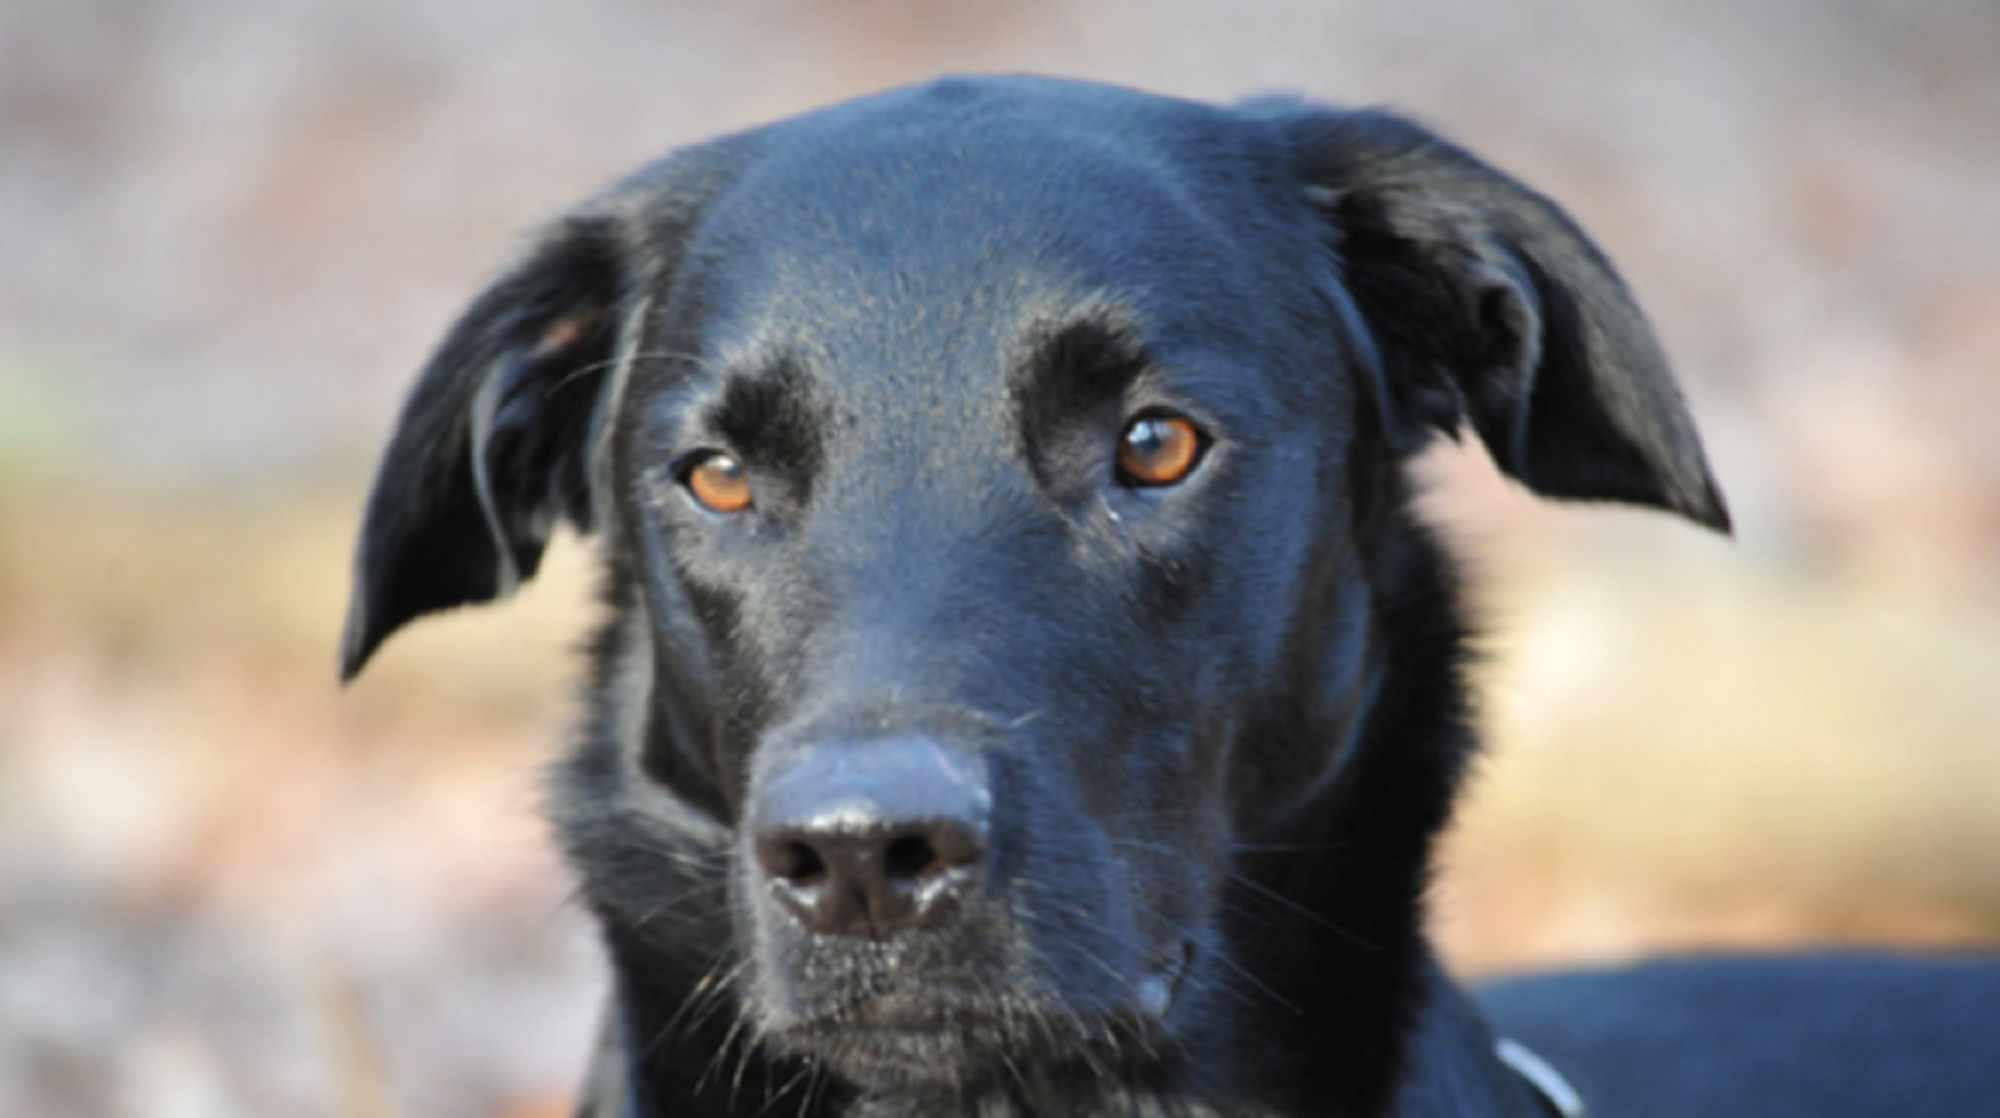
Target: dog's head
x=999, y=481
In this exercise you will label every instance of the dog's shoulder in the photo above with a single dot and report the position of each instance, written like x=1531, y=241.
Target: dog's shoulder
x=1827, y=1035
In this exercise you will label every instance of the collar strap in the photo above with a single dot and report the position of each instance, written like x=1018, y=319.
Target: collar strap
x=1556, y=1094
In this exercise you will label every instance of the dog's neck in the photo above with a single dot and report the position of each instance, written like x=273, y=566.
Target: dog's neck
x=1326, y=911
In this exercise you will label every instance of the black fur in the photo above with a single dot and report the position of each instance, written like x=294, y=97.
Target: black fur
x=1219, y=722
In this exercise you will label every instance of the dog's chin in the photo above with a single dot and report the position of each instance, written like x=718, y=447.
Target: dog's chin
x=949, y=1008
x=910, y=1049
x=957, y=1051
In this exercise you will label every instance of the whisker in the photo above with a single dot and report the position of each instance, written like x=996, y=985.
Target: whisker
x=1242, y=972
x=1288, y=848
x=669, y=903
x=595, y=367
x=1301, y=911
x=719, y=1058
x=707, y=988
x=772, y=1095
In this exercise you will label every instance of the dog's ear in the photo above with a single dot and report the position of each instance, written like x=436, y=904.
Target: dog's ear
x=490, y=450
x=494, y=443
x=1485, y=303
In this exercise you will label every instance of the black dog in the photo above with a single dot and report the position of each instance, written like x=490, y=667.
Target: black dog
x=1025, y=689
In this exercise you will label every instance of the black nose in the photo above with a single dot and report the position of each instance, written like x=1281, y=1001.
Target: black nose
x=872, y=838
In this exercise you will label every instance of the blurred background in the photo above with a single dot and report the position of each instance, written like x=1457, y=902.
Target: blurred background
x=230, y=232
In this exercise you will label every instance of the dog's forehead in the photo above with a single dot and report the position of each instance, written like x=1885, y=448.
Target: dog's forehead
x=927, y=232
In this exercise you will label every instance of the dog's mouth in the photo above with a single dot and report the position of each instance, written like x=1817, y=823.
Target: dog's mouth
x=911, y=1035
x=1148, y=1001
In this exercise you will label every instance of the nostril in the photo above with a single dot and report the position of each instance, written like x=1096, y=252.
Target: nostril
x=803, y=865
x=791, y=861
x=911, y=857
x=938, y=850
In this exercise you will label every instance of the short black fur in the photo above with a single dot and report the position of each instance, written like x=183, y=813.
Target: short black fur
x=958, y=774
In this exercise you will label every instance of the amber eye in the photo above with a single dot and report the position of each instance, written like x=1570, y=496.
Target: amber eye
x=1158, y=450
x=718, y=482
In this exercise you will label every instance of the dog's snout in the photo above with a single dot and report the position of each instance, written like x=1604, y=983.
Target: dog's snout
x=871, y=839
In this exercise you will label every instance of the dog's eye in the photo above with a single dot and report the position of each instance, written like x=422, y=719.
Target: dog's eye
x=1158, y=450
x=718, y=482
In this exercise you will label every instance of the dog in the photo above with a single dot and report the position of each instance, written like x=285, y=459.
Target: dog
x=1023, y=687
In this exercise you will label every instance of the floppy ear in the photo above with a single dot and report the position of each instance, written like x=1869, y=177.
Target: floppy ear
x=1486, y=303
x=490, y=449
x=493, y=446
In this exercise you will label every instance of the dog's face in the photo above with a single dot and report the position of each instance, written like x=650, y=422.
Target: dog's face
x=994, y=477
x=988, y=551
